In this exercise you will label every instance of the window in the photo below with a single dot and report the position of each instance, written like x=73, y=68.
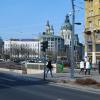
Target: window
x=89, y=38
x=89, y=48
x=98, y=35
x=48, y=39
x=91, y=13
x=68, y=36
x=99, y=22
x=52, y=39
x=90, y=24
x=97, y=47
x=91, y=3
x=99, y=11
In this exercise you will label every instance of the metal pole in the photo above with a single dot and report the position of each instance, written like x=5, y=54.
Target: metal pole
x=72, y=40
x=44, y=76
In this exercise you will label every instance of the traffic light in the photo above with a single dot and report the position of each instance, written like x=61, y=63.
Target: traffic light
x=44, y=46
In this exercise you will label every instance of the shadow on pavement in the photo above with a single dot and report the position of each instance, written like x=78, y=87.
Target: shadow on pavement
x=8, y=81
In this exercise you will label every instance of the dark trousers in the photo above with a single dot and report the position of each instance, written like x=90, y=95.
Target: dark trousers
x=87, y=71
x=81, y=70
x=48, y=69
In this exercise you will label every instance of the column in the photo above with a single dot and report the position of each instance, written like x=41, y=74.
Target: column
x=86, y=48
x=93, y=49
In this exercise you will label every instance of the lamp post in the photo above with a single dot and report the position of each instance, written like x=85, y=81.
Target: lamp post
x=72, y=39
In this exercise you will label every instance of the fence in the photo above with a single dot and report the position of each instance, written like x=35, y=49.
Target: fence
x=27, y=68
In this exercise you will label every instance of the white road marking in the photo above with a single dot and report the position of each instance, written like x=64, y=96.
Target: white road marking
x=59, y=99
x=7, y=79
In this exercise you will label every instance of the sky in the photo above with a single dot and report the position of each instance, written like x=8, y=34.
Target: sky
x=27, y=18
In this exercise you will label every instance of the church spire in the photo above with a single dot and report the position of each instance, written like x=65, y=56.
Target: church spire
x=47, y=24
x=47, y=27
x=67, y=19
x=49, y=30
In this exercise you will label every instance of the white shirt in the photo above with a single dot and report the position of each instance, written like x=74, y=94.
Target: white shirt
x=82, y=64
x=87, y=65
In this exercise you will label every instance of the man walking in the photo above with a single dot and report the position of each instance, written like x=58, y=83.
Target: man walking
x=49, y=68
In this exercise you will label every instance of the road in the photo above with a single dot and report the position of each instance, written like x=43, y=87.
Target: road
x=25, y=88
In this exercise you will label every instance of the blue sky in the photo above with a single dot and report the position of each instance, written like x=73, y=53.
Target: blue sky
x=27, y=18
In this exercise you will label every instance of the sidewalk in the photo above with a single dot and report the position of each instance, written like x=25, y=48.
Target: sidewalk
x=59, y=76
x=70, y=83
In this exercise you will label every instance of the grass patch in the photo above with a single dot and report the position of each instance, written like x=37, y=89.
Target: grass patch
x=87, y=81
x=98, y=85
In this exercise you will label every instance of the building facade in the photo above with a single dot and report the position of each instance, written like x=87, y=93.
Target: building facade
x=65, y=32
x=55, y=43
x=22, y=48
x=29, y=48
x=92, y=30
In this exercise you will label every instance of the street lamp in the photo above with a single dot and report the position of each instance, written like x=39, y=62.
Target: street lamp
x=72, y=40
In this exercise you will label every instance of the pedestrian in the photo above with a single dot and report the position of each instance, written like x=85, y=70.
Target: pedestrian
x=81, y=66
x=87, y=68
x=49, y=68
x=99, y=67
x=91, y=65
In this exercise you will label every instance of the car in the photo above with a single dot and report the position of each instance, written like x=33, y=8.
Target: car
x=2, y=60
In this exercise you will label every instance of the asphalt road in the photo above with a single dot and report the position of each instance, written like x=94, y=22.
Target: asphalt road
x=23, y=88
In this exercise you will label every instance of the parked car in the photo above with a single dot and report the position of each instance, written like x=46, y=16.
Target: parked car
x=1, y=60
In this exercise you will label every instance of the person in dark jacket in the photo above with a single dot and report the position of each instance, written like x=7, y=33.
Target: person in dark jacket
x=99, y=67
x=49, y=68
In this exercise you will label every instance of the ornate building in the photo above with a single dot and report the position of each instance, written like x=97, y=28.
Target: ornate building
x=49, y=30
x=92, y=30
x=55, y=43
x=66, y=30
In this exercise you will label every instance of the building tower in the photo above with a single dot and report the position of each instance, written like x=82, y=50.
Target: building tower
x=49, y=30
x=47, y=27
x=66, y=30
x=92, y=30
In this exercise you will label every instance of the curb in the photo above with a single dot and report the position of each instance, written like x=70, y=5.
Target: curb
x=77, y=87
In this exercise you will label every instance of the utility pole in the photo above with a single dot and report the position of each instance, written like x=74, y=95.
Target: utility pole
x=72, y=40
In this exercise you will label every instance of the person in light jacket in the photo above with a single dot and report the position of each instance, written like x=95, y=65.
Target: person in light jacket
x=81, y=66
x=87, y=67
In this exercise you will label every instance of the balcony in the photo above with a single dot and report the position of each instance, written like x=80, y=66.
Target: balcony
x=88, y=31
